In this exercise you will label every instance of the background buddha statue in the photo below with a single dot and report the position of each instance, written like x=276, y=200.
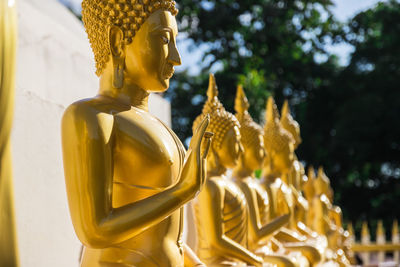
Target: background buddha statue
x=221, y=208
x=328, y=218
x=259, y=229
x=127, y=174
x=296, y=174
x=279, y=145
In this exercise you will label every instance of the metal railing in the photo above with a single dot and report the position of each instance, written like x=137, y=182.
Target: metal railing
x=378, y=252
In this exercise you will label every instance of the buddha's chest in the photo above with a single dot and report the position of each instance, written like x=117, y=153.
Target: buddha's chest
x=234, y=212
x=262, y=202
x=147, y=155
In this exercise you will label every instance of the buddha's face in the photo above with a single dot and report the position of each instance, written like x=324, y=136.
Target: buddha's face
x=152, y=55
x=231, y=148
x=283, y=159
x=254, y=153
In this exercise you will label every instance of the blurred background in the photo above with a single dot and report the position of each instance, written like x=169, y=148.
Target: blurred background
x=336, y=61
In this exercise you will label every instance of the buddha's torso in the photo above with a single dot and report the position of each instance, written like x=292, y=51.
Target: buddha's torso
x=281, y=199
x=321, y=219
x=147, y=158
x=301, y=204
x=234, y=219
x=263, y=205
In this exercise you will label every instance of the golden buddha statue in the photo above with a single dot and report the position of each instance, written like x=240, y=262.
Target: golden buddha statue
x=328, y=218
x=259, y=228
x=296, y=174
x=127, y=174
x=279, y=145
x=221, y=207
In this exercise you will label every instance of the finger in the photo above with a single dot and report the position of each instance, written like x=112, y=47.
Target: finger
x=198, y=134
x=208, y=139
x=204, y=167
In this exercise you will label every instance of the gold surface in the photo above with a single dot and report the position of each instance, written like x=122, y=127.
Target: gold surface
x=127, y=174
x=221, y=208
x=8, y=45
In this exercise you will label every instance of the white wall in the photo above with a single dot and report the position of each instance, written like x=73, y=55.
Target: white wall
x=55, y=68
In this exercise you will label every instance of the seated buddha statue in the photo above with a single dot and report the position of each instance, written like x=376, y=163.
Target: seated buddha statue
x=259, y=228
x=295, y=179
x=296, y=173
x=221, y=208
x=279, y=145
x=127, y=174
x=327, y=217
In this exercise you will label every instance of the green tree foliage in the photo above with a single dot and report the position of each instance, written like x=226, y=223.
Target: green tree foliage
x=352, y=126
x=348, y=115
x=268, y=46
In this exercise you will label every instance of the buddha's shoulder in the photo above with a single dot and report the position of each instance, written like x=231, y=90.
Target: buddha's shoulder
x=95, y=106
x=92, y=116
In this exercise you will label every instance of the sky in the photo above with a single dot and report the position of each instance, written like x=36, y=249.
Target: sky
x=343, y=10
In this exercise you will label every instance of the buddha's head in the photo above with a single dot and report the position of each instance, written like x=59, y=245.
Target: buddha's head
x=133, y=40
x=308, y=186
x=251, y=133
x=278, y=142
x=290, y=125
x=226, y=146
x=322, y=183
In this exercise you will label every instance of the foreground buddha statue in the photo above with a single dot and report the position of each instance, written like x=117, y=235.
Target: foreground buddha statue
x=279, y=145
x=259, y=228
x=127, y=174
x=221, y=208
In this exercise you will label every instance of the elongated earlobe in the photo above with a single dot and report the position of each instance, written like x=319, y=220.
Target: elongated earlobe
x=116, y=46
x=118, y=77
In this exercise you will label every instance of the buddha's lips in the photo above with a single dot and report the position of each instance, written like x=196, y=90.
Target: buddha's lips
x=168, y=72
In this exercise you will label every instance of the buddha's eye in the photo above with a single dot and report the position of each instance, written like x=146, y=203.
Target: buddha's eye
x=165, y=38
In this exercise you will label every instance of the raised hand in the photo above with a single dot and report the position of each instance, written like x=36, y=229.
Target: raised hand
x=194, y=169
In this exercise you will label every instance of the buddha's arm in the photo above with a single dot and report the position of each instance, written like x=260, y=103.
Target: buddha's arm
x=287, y=235
x=261, y=232
x=87, y=141
x=212, y=202
x=191, y=259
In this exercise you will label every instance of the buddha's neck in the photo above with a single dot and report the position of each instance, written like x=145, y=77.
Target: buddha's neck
x=241, y=171
x=268, y=174
x=129, y=93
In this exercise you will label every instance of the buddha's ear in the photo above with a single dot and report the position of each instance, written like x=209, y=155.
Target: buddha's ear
x=116, y=41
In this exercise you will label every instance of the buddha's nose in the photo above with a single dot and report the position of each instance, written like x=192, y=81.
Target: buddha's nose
x=173, y=56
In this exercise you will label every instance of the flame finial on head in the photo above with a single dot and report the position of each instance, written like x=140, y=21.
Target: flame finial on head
x=241, y=102
x=322, y=176
x=272, y=114
x=290, y=124
x=212, y=90
x=285, y=109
